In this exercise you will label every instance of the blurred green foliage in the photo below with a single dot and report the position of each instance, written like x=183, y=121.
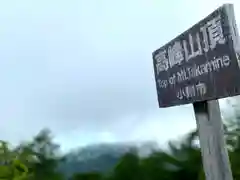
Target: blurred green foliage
x=39, y=159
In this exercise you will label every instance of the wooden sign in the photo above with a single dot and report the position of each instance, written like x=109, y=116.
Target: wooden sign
x=201, y=63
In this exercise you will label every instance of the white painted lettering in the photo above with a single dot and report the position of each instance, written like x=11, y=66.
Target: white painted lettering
x=194, y=51
x=215, y=64
x=185, y=50
x=175, y=54
x=208, y=67
x=215, y=32
x=182, y=75
x=162, y=62
x=186, y=92
x=162, y=83
x=205, y=38
x=192, y=54
x=190, y=91
x=201, y=89
x=198, y=71
x=191, y=72
x=172, y=79
x=226, y=61
x=180, y=94
x=199, y=51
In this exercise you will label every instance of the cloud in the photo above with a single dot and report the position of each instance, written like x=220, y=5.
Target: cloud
x=84, y=68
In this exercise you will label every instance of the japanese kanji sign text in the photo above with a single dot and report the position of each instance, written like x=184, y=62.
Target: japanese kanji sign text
x=200, y=64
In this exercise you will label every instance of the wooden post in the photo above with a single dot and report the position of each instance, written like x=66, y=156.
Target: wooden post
x=214, y=153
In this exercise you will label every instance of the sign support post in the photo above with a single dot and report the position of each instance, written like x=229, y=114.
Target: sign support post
x=210, y=128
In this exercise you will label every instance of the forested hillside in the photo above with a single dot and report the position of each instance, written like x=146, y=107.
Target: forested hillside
x=40, y=159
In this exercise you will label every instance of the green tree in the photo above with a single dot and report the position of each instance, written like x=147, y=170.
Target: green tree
x=182, y=161
x=44, y=164
x=11, y=167
x=232, y=135
x=87, y=176
x=128, y=167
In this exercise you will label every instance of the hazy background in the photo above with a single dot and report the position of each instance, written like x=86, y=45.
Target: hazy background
x=83, y=68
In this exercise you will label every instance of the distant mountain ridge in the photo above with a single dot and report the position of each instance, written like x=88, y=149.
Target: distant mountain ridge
x=101, y=157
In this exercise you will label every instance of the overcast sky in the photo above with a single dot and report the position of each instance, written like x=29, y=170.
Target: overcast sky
x=83, y=68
